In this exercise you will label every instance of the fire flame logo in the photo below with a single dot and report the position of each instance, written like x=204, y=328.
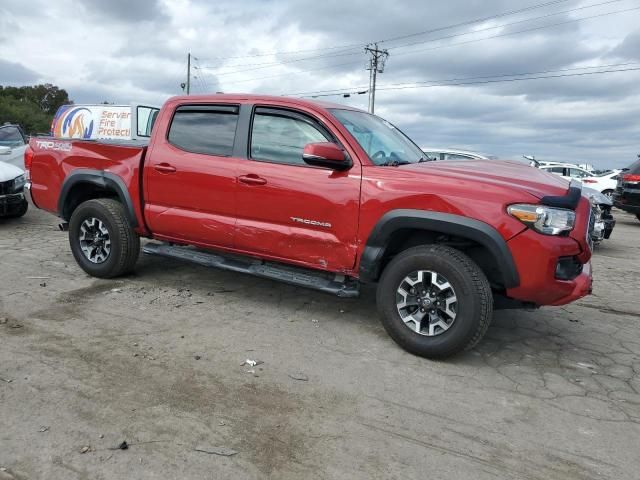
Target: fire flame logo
x=72, y=122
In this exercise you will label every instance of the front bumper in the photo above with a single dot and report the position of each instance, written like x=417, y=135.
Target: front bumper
x=537, y=258
x=582, y=286
x=11, y=202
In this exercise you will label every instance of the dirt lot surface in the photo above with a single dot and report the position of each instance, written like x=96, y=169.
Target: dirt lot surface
x=155, y=360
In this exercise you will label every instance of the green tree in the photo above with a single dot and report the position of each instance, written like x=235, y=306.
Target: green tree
x=31, y=107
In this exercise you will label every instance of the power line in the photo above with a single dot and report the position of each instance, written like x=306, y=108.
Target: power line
x=295, y=73
x=517, y=22
x=507, y=34
x=438, y=46
x=340, y=91
x=496, y=80
x=581, y=74
x=261, y=66
x=360, y=45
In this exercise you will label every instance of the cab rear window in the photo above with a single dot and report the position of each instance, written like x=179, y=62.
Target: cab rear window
x=208, y=129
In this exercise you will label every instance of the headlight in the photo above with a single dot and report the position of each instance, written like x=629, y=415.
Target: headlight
x=545, y=220
x=18, y=183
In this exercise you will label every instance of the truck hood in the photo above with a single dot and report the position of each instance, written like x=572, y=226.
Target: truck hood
x=9, y=172
x=508, y=174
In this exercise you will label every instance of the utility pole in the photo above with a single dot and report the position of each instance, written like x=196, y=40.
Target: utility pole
x=188, y=72
x=376, y=65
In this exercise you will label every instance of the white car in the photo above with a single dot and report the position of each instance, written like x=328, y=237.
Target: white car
x=566, y=170
x=13, y=143
x=12, y=180
x=605, y=183
x=450, y=154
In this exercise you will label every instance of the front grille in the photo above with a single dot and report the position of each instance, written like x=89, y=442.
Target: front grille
x=6, y=187
x=592, y=224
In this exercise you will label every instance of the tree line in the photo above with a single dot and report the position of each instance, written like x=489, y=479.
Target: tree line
x=31, y=107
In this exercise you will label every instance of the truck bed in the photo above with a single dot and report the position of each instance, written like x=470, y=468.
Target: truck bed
x=57, y=162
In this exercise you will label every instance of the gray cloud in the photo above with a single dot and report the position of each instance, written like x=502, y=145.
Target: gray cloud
x=629, y=49
x=126, y=10
x=13, y=73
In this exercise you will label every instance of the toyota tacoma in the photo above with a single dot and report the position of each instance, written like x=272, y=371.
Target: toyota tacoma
x=328, y=197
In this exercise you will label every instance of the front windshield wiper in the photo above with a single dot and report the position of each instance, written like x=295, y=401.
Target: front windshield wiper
x=395, y=163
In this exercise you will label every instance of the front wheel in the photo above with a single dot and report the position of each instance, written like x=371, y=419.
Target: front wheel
x=434, y=301
x=608, y=193
x=102, y=240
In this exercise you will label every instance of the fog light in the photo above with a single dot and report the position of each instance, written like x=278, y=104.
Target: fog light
x=568, y=268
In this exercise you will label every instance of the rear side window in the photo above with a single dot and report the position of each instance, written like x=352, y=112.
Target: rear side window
x=634, y=168
x=456, y=156
x=575, y=173
x=208, y=129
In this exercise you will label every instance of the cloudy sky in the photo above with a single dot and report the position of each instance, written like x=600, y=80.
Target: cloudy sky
x=123, y=51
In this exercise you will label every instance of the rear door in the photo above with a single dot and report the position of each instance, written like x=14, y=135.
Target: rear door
x=288, y=209
x=190, y=183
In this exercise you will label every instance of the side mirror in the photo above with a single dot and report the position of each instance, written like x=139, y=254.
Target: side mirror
x=326, y=154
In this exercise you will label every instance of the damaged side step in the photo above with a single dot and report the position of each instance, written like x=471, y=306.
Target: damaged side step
x=336, y=284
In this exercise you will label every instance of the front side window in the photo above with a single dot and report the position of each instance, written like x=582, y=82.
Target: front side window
x=281, y=139
x=204, y=129
x=383, y=143
x=10, y=136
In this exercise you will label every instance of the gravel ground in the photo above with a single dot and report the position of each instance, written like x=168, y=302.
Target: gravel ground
x=154, y=359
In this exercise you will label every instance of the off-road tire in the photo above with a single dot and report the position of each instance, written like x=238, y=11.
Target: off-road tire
x=125, y=243
x=475, y=300
x=20, y=211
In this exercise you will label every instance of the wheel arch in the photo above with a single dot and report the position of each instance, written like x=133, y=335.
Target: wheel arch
x=86, y=184
x=397, y=228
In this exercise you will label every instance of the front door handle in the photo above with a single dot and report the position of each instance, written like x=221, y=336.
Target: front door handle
x=165, y=168
x=252, y=179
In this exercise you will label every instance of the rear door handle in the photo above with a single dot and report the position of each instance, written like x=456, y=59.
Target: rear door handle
x=165, y=168
x=252, y=179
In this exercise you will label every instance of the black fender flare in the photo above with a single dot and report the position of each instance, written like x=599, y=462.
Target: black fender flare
x=445, y=223
x=99, y=178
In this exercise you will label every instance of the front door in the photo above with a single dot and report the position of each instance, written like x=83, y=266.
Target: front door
x=190, y=177
x=288, y=209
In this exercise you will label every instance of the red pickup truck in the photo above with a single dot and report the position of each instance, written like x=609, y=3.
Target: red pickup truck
x=327, y=197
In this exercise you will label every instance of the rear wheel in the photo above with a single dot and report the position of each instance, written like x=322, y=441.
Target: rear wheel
x=434, y=301
x=102, y=240
x=608, y=193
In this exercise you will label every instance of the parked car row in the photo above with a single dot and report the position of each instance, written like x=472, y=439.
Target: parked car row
x=627, y=194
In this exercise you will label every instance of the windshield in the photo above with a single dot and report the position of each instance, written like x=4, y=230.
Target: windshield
x=384, y=143
x=10, y=136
